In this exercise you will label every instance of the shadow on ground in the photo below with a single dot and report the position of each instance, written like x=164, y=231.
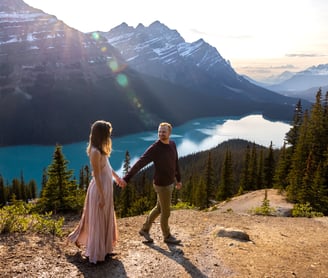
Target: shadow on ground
x=177, y=255
x=111, y=267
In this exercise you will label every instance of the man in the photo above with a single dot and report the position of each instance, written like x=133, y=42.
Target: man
x=164, y=155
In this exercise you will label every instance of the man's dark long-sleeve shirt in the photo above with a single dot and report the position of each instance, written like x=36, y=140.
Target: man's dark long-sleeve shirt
x=165, y=158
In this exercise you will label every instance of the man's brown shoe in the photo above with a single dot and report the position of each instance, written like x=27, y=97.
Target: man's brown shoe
x=172, y=240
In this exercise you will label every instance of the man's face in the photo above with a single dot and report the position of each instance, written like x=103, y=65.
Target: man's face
x=163, y=133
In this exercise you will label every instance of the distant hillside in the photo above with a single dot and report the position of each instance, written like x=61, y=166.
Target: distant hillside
x=309, y=94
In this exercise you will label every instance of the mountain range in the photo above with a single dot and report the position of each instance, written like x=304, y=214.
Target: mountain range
x=55, y=81
x=303, y=84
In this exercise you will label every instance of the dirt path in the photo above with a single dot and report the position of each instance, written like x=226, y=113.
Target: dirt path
x=279, y=247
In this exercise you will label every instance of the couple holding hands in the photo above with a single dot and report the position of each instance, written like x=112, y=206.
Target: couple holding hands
x=97, y=229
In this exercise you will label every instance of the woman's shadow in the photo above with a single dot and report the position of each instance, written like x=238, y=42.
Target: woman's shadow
x=111, y=267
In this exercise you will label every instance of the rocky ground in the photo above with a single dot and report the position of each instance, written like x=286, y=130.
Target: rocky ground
x=278, y=247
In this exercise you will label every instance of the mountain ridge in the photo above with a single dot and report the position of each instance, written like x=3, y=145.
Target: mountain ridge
x=197, y=65
x=303, y=84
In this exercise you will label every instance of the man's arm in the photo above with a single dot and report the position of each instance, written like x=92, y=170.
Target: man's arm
x=177, y=166
x=145, y=159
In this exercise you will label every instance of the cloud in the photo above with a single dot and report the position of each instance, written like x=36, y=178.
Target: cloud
x=222, y=36
x=261, y=73
x=196, y=31
x=269, y=68
x=302, y=55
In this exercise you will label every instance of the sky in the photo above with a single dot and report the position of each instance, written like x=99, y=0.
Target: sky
x=259, y=38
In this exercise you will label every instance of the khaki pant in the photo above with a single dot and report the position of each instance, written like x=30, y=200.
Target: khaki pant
x=163, y=208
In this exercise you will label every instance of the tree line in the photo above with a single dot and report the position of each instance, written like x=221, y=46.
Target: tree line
x=303, y=165
x=17, y=190
x=232, y=168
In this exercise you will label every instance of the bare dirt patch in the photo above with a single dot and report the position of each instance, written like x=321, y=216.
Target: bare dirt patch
x=278, y=247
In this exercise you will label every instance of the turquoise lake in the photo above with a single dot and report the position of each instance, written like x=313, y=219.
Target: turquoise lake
x=194, y=136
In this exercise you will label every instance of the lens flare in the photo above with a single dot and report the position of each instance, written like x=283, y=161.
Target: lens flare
x=95, y=36
x=122, y=80
x=113, y=65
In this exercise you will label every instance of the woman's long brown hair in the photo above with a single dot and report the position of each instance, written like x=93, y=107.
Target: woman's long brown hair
x=100, y=137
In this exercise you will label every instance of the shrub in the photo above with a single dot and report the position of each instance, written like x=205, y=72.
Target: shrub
x=183, y=205
x=305, y=210
x=13, y=218
x=18, y=218
x=264, y=209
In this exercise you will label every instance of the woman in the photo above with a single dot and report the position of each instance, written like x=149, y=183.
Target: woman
x=97, y=229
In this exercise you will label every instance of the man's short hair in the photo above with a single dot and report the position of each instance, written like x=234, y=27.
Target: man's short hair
x=166, y=124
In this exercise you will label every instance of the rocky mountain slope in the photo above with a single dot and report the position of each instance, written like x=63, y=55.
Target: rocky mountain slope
x=161, y=52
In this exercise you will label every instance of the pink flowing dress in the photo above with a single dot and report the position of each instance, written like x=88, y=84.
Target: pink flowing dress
x=97, y=229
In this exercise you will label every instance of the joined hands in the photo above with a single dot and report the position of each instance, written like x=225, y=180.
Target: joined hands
x=121, y=182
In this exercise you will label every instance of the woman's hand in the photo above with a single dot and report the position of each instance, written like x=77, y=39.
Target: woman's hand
x=121, y=182
x=101, y=201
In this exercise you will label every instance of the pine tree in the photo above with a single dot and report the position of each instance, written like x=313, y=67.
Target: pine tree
x=304, y=192
x=16, y=189
x=84, y=178
x=81, y=179
x=245, y=184
x=253, y=168
x=175, y=196
x=44, y=180
x=325, y=119
x=127, y=195
x=187, y=190
x=269, y=168
x=126, y=164
x=87, y=177
x=260, y=172
x=293, y=134
x=298, y=160
x=32, y=189
x=319, y=200
x=22, y=188
x=209, y=181
x=317, y=132
x=200, y=192
x=59, y=193
x=282, y=170
x=3, y=198
x=226, y=184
